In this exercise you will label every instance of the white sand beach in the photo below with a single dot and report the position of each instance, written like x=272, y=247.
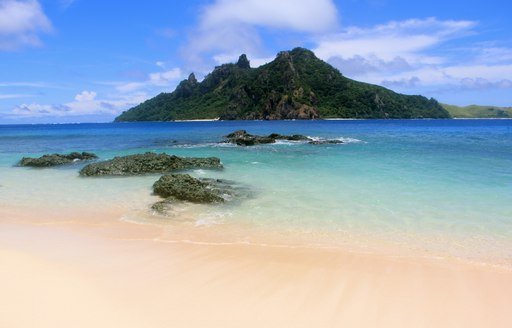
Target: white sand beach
x=76, y=272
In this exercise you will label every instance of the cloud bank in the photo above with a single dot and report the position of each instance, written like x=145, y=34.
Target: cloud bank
x=227, y=28
x=21, y=22
x=85, y=103
x=314, y=16
x=405, y=55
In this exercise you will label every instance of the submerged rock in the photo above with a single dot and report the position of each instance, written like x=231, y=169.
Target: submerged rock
x=242, y=138
x=186, y=188
x=148, y=163
x=57, y=159
x=179, y=188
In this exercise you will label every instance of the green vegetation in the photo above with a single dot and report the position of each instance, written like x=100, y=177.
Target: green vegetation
x=475, y=111
x=296, y=85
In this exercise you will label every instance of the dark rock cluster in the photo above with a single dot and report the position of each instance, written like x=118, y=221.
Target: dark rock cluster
x=56, y=159
x=176, y=188
x=242, y=138
x=172, y=187
x=186, y=188
x=147, y=163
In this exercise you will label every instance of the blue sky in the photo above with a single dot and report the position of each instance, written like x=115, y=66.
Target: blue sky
x=88, y=60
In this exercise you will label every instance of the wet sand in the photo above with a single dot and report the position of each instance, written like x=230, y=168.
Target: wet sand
x=92, y=271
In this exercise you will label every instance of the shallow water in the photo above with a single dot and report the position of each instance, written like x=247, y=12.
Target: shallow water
x=440, y=186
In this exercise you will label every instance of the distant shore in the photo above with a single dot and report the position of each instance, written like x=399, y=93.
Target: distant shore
x=199, y=120
x=482, y=118
x=354, y=119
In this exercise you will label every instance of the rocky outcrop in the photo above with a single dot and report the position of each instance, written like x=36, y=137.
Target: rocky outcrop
x=178, y=188
x=243, y=62
x=242, y=138
x=293, y=137
x=146, y=164
x=57, y=159
x=186, y=188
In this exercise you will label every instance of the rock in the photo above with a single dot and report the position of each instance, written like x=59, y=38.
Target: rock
x=242, y=138
x=243, y=62
x=57, y=159
x=178, y=188
x=163, y=206
x=147, y=163
x=325, y=142
x=237, y=134
x=186, y=188
x=295, y=137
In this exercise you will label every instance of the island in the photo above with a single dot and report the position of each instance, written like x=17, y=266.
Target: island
x=295, y=85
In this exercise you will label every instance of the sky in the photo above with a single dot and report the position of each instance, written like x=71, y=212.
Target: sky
x=64, y=61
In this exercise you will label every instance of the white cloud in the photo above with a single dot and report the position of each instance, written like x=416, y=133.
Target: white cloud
x=407, y=39
x=491, y=72
x=20, y=23
x=305, y=16
x=15, y=95
x=85, y=96
x=360, y=66
x=233, y=58
x=494, y=55
x=233, y=27
x=449, y=77
x=85, y=103
x=153, y=80
x=163, y=78
x=481, y=83
x=129, y=86
x=26, y=84
x=219, y=41
x=405, y=82
x=404, y=55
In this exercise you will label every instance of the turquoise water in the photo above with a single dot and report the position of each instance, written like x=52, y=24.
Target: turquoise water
x=442, y=186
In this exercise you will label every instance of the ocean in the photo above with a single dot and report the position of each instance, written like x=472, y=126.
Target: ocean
x=442, y=188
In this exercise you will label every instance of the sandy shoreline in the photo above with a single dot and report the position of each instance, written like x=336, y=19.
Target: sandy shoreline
x=94, y=272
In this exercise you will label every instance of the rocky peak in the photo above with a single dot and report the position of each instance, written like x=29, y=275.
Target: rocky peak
x=302, y=52
x=243, y=62
x=284, y=55
x=192, y=79
x=187, y=87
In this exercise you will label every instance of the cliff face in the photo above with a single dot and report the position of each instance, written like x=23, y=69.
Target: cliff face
x=296, y=85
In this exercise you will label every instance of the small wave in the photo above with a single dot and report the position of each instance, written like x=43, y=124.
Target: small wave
x=281, y=142
x=345, y=140
x=315, y=138
x=289, y=142
x=212, y=218
x=200, y=172
x=350, y=140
